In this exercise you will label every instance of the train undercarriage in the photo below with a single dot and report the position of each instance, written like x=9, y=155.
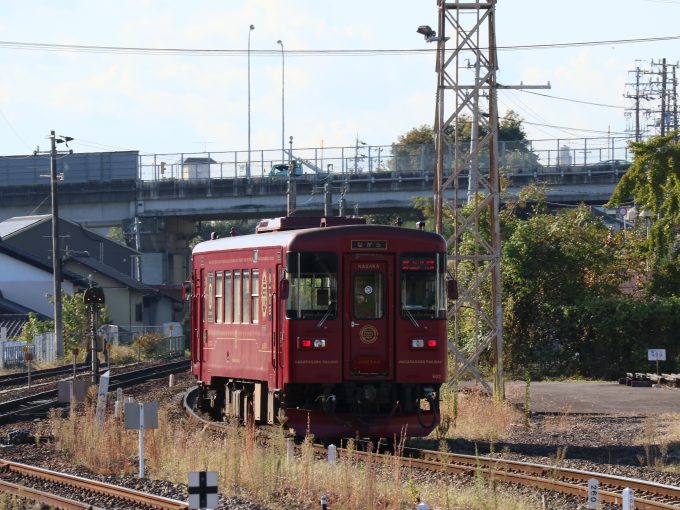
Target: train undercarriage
x=364, y=409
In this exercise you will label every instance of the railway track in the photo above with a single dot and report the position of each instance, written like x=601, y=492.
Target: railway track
x=21, y=378
x=38, y=404
x=20, y=480
x=648, y=495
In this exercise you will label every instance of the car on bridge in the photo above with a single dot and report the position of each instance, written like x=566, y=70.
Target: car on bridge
x=281, y=169
x=612, y=163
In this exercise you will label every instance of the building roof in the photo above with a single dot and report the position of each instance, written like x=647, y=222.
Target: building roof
x=11, y=226
x=27, y=258
x=112, y=273
x=17, y=224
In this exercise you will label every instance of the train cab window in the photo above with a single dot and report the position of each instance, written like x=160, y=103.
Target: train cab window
x=246, y=295
x=423, y=286
x=219, y=303
x=210, y=297
x=237, y=296
x=255, y=297
x=368, y=290
x=228, y=298
x=313, y=281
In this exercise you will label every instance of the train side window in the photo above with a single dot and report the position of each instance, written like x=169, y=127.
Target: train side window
x=228, y=298
x=219, y=292
x=237, y=295
x=210, y=297
x=255, y=301
x=246, y=295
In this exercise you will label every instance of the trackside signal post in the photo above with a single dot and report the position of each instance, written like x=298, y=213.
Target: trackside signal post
x=94, y=299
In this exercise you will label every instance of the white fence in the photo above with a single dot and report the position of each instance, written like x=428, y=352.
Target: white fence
x=44, y=348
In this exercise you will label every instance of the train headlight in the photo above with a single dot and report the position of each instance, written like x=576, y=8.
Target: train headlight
x=423, y=343
x=311, y=343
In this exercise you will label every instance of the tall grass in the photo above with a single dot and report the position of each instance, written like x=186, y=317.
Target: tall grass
x=261, y=471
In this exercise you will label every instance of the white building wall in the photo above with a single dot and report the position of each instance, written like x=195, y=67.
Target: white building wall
x=28, y=285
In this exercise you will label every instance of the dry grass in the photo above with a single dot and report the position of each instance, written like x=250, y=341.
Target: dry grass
x=476, y=417
x=264, y=473
x=660, y=439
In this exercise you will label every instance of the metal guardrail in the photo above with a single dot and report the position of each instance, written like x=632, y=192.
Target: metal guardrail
x=522, y=157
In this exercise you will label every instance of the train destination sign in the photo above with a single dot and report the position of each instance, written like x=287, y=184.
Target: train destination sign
x=418, y=264
x=369, y=245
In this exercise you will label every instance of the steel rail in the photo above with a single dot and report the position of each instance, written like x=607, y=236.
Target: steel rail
x=22, y=377
x=10, y=410
x=524, y=474
x=109, y=490
x=618, y=482
x=44, y=498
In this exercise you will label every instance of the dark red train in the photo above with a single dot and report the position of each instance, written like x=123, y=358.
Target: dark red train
x=329, y=325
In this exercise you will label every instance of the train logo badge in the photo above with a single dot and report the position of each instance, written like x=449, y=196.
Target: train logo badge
x=368, y=334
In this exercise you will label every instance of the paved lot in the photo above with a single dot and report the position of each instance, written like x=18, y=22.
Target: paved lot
x=596, y=397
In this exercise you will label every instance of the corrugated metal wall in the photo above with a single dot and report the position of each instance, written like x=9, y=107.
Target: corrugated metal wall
x=79, y=167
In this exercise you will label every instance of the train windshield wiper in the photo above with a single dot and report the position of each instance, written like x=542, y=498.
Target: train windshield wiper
x=329, y=310
x=411, y=317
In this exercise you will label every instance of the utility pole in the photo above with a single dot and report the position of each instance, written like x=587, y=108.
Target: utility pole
x=56, y=251
x=292, y=185
x=663, y=97
x=636, y=96
x=476, y=269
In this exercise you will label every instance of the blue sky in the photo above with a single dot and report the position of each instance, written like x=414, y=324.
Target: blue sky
x=178, y=103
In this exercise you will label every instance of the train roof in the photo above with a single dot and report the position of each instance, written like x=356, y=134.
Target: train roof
x=286, y=237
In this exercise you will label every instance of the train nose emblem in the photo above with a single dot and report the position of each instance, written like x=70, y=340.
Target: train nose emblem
x=368, y=334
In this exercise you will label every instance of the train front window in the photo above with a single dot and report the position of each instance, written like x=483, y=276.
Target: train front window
x=423, y=286
x=368, y=291
x=313, y=281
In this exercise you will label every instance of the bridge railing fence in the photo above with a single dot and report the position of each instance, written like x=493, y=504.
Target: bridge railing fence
x=515, y=158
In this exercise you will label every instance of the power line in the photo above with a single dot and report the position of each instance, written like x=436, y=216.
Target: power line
x=574, y=100
x=140, y=50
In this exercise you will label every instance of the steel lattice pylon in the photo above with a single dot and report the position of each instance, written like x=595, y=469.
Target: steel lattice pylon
x=466, y=82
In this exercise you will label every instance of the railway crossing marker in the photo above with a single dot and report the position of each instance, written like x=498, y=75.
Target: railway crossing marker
x=202, y=489
x=593, y=494
x=141, y=416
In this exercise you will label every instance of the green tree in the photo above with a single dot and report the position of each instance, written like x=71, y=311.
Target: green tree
x=552, y=263
x=34, y=326
x=413, y=150
x=75, y=318
x=653, y=181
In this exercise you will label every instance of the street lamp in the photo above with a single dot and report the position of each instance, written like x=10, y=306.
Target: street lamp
x=283, y=111
x=252, y=27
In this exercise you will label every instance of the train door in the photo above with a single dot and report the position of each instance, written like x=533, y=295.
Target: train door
x=278, y=313
x=197, y=324
x=369, y=321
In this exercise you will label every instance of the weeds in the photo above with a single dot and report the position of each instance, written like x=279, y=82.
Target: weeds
x=264, y=473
